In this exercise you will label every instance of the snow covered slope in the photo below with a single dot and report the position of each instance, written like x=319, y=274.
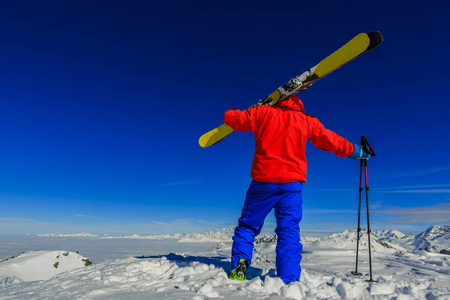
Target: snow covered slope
x=348, y=240
x=201, y=272
x=40, y=265
x=434, y=239
x=202, y=275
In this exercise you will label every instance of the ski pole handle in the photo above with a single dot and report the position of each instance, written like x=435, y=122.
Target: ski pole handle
x=366, y=146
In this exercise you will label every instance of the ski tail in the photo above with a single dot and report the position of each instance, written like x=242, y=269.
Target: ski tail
x=359, y=45
x=216, y=135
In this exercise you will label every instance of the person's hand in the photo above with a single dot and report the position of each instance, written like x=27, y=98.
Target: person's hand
x=359, y=153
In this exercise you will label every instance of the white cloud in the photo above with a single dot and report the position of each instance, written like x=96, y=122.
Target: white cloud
x=86, y=216
x=160, y=223
x=426, y=186
x=439, y=213
x=418, y=172
x=417, y=189
x=183, y=182
x=156, y=227
x=428, y=191
x=329, y=211
x=22, y=225
x=16, y=220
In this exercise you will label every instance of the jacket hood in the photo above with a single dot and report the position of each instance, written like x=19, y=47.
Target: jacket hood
x=294, y=103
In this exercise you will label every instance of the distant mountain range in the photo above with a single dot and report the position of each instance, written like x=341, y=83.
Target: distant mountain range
x=434, y=239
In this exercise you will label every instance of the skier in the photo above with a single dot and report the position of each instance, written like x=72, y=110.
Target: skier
x=279, y=172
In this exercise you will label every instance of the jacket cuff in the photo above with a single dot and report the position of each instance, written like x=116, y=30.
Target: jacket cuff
x=356, y=152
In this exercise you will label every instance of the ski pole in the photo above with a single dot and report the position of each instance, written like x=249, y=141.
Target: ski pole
x=358, y=230
x=363, y=165
x=368, y=223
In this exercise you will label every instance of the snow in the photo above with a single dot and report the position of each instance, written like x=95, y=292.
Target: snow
x=433, y=239
x=41, y=265
x=192, y=267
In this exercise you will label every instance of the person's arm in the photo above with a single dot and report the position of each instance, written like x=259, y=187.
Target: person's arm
x=240, y=120
x=328, y=140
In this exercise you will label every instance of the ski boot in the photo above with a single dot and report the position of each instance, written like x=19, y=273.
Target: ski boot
x=239, y=272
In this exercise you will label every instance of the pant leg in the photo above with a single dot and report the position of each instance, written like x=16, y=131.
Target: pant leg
x=258, y=204
x=288, y=212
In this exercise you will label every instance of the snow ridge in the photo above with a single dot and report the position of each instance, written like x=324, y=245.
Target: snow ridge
x=434, y=239
x=39, y=265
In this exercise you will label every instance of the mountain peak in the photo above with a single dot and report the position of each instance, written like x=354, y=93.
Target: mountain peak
x=434, y=239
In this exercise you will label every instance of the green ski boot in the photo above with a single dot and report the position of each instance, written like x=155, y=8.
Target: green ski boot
x=239, y=272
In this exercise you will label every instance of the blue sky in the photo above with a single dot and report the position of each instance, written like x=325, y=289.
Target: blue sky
x=102, y=104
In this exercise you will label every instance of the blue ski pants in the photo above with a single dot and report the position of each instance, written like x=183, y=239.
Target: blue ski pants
x=286, y=199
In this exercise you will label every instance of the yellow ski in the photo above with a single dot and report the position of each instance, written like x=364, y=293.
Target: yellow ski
x=360, y=44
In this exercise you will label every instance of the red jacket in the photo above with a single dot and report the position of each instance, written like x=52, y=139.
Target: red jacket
x=281, y=132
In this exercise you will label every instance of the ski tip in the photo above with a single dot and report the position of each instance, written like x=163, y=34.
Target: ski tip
x=376, y=38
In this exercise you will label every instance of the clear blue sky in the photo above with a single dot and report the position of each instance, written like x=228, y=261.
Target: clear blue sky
x=102, y=104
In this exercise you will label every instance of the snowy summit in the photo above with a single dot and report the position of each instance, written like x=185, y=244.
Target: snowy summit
x=405, y=267
x=41, y=265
